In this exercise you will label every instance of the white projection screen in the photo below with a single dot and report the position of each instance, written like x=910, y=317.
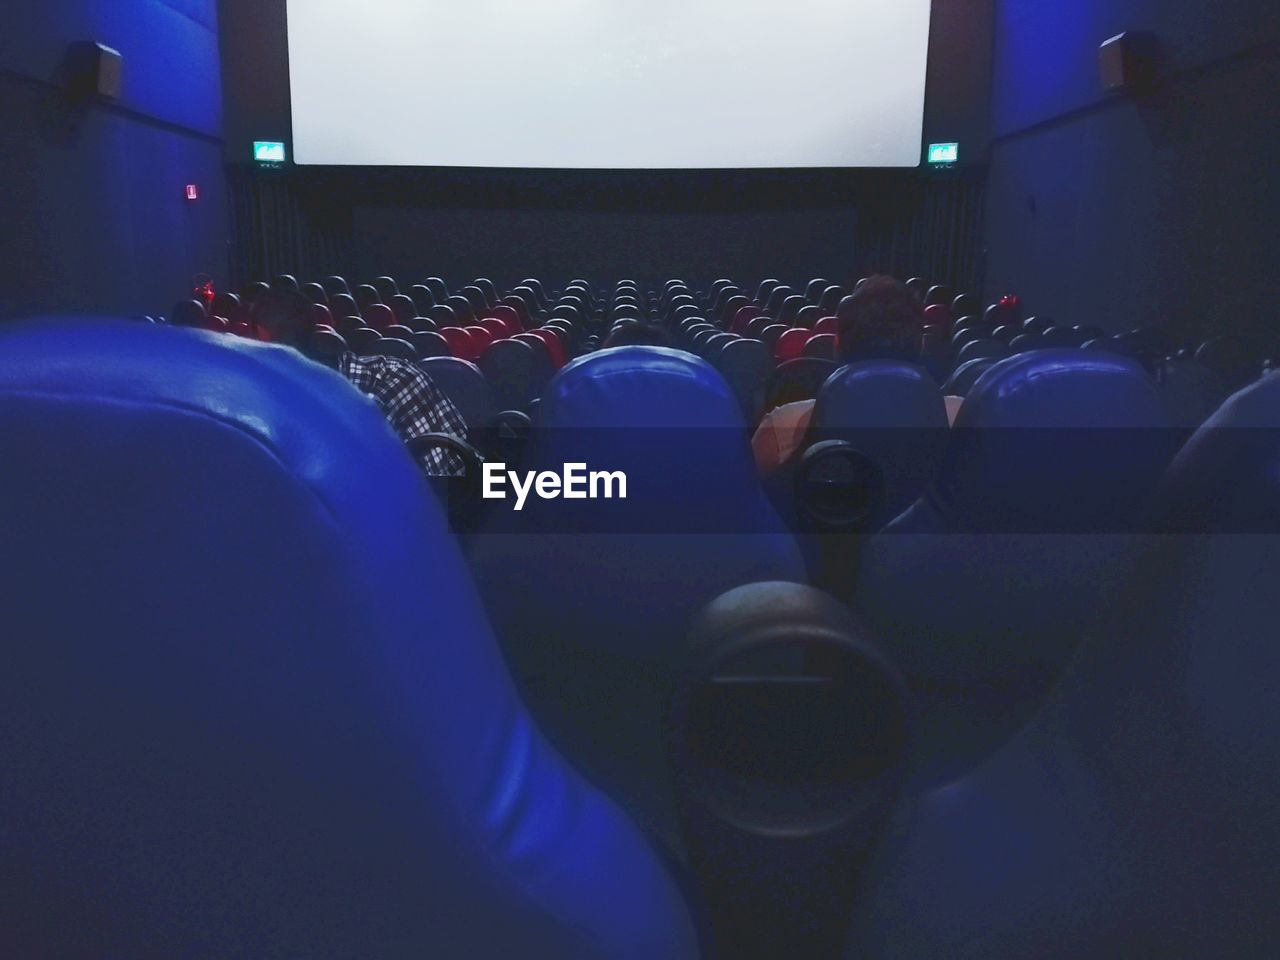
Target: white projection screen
x=608, y=84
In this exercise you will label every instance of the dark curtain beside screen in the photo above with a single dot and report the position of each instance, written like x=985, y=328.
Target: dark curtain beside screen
x=283, y=223
x=926, y=224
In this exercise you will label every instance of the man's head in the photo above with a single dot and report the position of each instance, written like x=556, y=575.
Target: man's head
x=285, y=317
x=883, y=320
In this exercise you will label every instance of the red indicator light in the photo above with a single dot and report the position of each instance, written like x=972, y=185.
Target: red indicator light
x=193, y=192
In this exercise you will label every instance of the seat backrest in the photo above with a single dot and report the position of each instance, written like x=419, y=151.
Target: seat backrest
x=821, y=345
x=982, y=587
x=387, y=288
x=791, y=308
x=366, y=294
x=429, y=343
x=189, y=313
x=966, y=375
x=403, y=307
x=510, y=316
x=792, y=343
x=813, y=291
x=831, y=298
x=498, y=329
x=423, y=298
x=798, y=379
x=892, y=412
x=379, y=316
x=343, y=305
x=228, y=305
x=439, y=289
x=481, y=337
x=593, y=596
x=335, y=285
x=363, y=340
x=777, y=296
x=1025, y=342
x=462, y=309
x=464, y=384
x=555, y=347
x=476, y=297
x=490, y=289
x=743, y=317
x=746, y=365
x=938, y=315
x=764, y=290
x=1136, y=815
x=980, y=349
x=394, y=347
x=461, y=344
x=1061, y=337
x=965, y=305
x=325, y=346
x=250, y=701
x=515, y=372
x=1102, y=414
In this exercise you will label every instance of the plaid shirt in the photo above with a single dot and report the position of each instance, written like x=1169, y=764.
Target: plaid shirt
x=414, y=405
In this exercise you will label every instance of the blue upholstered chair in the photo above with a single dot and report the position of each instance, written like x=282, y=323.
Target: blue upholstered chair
x=250, y=703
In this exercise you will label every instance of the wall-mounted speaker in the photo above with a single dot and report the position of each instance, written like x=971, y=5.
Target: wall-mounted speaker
x=94, y=70
x=1129, y=62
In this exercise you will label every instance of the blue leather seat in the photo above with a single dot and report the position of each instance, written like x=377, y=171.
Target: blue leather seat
x=894, y=413
x=465, y=386
x=1137, y=815
x=746, y=365
x=515, y=373
x=250, y=703
x=981, y=588
x=593, y=598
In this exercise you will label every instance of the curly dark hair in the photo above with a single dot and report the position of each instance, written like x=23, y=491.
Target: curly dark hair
x=883, y=320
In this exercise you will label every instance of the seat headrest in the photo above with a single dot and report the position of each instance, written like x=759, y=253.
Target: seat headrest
x=891, y=412
x=250, y=696
x=1063, y=388
x=1055, y=441
x=666, y=420
x=670, y=424
x=880, y=393
x=640, y=387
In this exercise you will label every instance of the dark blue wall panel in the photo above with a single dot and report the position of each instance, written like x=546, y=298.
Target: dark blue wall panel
x=1046, y=50
x=1137, y=210
x=95, y=213
x=170, y=49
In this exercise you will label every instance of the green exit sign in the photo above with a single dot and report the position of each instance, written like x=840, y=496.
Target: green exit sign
x=268, y=151
x=940, y=153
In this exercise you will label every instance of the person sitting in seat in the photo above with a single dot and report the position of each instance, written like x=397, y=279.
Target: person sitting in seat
x=410, y=401
x=881, y=320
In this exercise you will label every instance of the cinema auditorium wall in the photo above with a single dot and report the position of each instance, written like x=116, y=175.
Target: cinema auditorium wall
x=510, y=224
x=94, y=212
x=1137, y=209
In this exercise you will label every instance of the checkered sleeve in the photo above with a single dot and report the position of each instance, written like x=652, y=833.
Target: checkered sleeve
x=412, y=403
